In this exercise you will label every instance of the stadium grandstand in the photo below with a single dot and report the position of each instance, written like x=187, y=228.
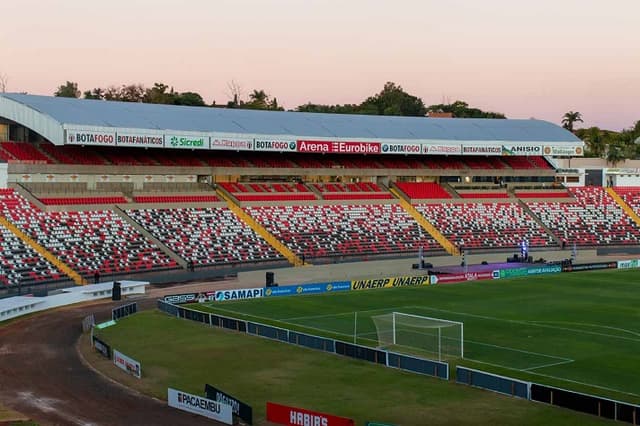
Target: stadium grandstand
x=95, y=188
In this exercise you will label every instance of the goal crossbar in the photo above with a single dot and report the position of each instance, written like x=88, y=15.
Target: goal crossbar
x=416, y=331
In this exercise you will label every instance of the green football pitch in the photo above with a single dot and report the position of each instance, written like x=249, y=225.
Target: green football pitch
x=578, y=331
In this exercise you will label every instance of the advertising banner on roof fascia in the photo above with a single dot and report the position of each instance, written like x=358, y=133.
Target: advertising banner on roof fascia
x=481, y=149
x=521, y=150
x=139, y=139
x=338, y=147
x=274, y=145
x=441, y=149
x=90, y=137
x=401, y=148
x=563, y=150
x=186, y=141
x=231, y=144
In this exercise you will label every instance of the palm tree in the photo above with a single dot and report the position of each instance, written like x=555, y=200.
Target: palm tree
x=259, y=98
x=569, y=118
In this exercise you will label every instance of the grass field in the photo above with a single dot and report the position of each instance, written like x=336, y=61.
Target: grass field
x=576, y=331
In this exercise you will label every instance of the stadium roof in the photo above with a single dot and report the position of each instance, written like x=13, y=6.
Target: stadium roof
x=51, y=116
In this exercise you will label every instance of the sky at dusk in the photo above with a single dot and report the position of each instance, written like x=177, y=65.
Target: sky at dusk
x=523, y=58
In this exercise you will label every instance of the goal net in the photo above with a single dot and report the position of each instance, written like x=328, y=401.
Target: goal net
x=441, y=338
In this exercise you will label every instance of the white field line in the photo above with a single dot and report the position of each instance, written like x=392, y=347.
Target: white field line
x=533, y=323
x=340, y=314
x=562, y=379
x=564, y=360
x=586, y=324
x=568, y=361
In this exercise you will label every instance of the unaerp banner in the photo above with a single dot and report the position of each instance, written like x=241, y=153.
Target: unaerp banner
x=198, y=405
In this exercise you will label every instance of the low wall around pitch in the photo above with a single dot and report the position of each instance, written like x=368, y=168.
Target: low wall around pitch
x=14, y=307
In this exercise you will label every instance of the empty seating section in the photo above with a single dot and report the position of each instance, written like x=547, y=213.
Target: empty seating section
x=526, y=163
x=61, y=201
x=485, y=225
x=485, y=194
x=286, y=191
x=22, y=265
x=70, y=154
x=351, y=191
x=176, y=198
x=87, y=241
x=206, y=236
x=344, y=230
x=630, y=195
x=422, y=190
x=26, y=152
x=594, y=218
x=543, y=194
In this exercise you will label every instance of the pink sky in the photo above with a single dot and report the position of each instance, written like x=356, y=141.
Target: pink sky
x=525, y=59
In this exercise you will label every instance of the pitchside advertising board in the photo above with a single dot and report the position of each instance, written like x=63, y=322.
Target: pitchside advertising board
x=215, y=296
x=292, y=416
x=198, y=405
x=458, y=278
x=239, y=408
x=389, y=282
x=293, y=290
x=127, y=364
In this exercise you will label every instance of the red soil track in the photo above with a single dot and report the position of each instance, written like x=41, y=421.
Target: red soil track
x=43, y=376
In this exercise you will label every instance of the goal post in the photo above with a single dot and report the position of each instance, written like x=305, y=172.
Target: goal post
x=439, y=337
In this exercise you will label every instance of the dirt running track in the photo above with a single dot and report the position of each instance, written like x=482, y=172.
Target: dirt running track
x=43, y=377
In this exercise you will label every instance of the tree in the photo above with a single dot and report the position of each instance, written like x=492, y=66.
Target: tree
x=595, y=140
x=461, y=109
x=3, y=82
x=570, y=118
x=68, y=90
x=96, y=93
x=158, y=94
x=234, y=91
x=393, y=100
x=615, y=154
x=331, y=109
x=189, y=98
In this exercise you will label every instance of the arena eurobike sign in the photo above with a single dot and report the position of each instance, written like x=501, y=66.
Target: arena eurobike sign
x=338, y=147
